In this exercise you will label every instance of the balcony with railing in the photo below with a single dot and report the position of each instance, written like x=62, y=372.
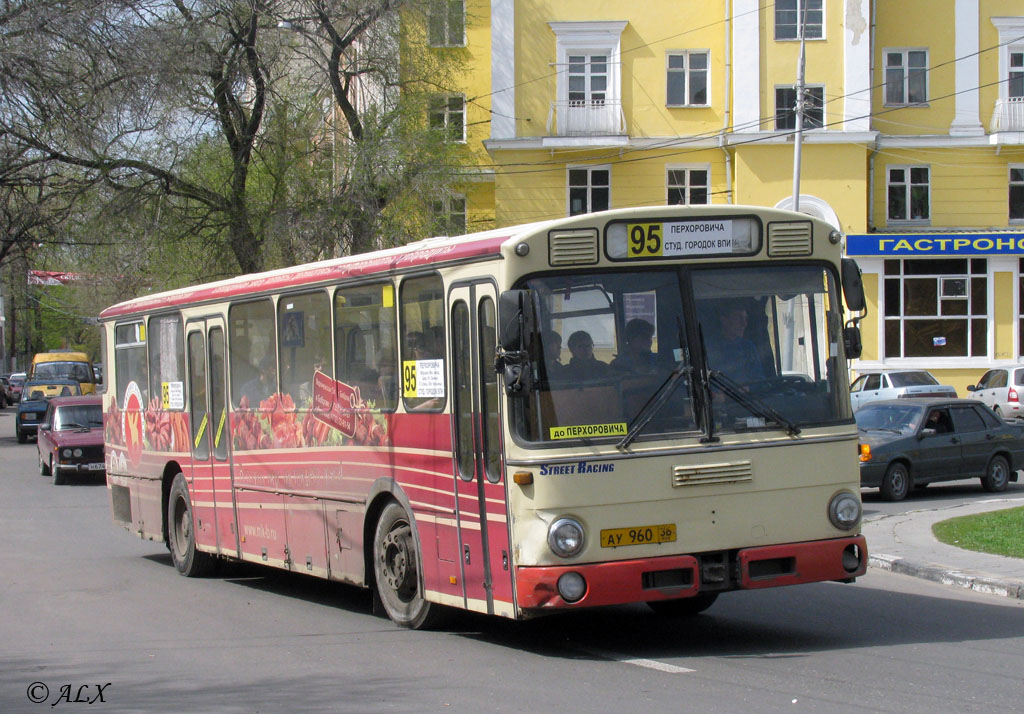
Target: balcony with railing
x=586, y=119
x=1008, y=115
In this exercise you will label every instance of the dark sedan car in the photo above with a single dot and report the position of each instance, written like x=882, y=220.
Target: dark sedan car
x=34, y=400
x=70, y=439
x=909, y=443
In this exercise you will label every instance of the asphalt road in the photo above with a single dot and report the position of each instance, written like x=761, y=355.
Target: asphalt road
x=88, y=611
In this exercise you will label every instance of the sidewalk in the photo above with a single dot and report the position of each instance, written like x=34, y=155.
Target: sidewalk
x=904, y=544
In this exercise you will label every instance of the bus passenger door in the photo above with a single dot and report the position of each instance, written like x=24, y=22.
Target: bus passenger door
x=207, y=410
x=479, y=487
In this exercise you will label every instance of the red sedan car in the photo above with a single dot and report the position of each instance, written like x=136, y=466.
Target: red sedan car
x=70, y=438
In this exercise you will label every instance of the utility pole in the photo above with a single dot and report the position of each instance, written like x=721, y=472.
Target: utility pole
x=799, y=108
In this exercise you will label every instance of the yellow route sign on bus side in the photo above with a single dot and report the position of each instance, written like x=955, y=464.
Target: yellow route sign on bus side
x=583, y=431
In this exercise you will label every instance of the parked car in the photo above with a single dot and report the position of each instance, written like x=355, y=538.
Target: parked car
x=909, y=443
x=17, y=379
x=70, y=438
x=1001, y=389
x=34, y=400
x=896, y=384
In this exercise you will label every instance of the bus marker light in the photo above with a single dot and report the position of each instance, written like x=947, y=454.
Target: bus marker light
x=523, y=478
x=453, y=580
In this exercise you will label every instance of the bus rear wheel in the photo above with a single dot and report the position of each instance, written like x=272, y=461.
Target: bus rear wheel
x=396, y=570
x=181, y=537
x=685, y=606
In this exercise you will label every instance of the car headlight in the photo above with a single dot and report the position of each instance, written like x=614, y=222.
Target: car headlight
x=566, y=537
x=66, y=453
x=78, y=453
x=844, y=511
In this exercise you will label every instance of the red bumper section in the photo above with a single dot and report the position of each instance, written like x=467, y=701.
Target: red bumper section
x=678, y=576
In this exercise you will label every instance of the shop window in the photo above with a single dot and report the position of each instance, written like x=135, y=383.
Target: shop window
x=906, y=77
x=909, y=193
x=589, y=190
x=936, y=307
x=790, y=17
x=1017, y=194
x=687, y=81
x=688, y=186
x=785, y=107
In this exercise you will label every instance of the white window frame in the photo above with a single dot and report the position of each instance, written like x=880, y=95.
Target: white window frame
x=904, y=52
x=807, y=88
x=590, y=169
x=688, y=186
x=908, y=186
x=444, y=208
x=589, y=38
x=447, y=5
x=1010, y=29
x=687, y=73
x=1010, y=184
x=799, y=14
x=439, y=105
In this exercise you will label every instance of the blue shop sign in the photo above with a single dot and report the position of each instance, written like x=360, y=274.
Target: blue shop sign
x=922, y=245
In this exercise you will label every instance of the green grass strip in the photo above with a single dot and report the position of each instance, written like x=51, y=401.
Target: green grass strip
x=996, y=532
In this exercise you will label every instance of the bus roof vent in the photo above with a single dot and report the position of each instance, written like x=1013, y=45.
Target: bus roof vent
x=789, y=238
x=703, y=474
x=573, y=247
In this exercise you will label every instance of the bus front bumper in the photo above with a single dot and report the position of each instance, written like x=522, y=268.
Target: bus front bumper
x=678, y=576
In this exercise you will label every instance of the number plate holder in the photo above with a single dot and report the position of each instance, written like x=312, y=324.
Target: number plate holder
x=638, y=535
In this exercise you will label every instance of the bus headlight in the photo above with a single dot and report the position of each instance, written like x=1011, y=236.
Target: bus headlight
x=844, y=511
x=565, y=537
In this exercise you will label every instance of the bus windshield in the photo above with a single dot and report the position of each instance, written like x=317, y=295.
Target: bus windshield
x=677, y=350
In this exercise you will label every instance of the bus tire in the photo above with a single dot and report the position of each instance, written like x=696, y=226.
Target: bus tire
x=396, y=571
x=997, y=475
x=684, y=606
x=181, y=537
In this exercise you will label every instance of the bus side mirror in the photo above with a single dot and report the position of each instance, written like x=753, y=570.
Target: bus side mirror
x=851, y=342
x=515, y=319
x=853, y=285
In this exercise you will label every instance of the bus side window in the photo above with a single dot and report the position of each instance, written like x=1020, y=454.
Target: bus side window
x=423, y=343
x=365, y=345
x=304, y=343
x=252, y=353
x=130, y=360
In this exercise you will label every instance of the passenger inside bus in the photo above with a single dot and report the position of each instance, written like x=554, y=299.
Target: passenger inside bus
x=637, y=357
x=583, y=366
x=263, y=384
x=551, y=347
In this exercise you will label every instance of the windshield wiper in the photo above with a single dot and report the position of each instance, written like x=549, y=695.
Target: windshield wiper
x=654, y=404
x=752, y=404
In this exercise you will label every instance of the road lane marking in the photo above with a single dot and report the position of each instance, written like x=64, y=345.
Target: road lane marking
x=641, y=662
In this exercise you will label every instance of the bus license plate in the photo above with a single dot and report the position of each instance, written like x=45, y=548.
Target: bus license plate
x=640, y=535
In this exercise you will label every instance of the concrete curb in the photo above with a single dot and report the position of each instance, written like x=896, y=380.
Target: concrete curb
x=955, y=578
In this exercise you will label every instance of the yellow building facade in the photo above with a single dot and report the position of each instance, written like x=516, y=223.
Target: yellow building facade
x=913, y=141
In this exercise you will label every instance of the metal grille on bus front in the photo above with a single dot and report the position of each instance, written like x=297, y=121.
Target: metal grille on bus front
x=703, y=474
x=573, y=248
x=792, y=238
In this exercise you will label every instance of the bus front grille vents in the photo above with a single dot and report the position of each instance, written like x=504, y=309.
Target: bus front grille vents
x=573, y=247
x=704, y=474
x=791, y=238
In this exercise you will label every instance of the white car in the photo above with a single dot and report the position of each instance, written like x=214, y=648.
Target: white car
x=896, y=384
x=1001, y=389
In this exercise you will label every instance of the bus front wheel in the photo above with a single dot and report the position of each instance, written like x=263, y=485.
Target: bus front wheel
x=396, y=570
x=181, y=537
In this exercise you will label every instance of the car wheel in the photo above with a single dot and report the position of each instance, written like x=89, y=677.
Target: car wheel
x=896, y=483
x=59, y=478
x=997, y=475
x=22, y=436
x=44, y=467
x=683, y=607
x=998, y=411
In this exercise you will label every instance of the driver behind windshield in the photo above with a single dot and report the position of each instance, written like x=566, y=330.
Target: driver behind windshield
x=729, y=350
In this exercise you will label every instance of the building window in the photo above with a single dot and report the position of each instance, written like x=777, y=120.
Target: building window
x=589, y=190
x=446, y=23
x=936, y=307
x=588, y=79
x=906, y=77
x=785, y=107
x=687, y=81
x=448, y=116
x=909, y=193
x=449, y=214
x=1015, y=85
x=688, y=186
x=789, y=17
x=1017, y=193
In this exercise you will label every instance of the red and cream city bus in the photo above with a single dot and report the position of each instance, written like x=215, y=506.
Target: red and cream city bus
x=640, y=405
